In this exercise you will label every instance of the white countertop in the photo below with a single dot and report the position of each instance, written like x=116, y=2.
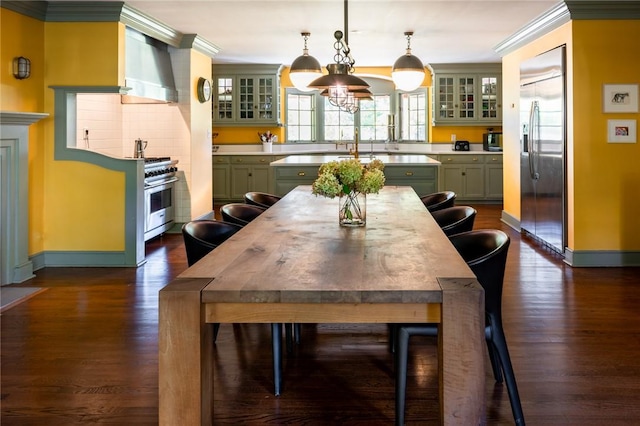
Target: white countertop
x=387, y=159
x=330, y=149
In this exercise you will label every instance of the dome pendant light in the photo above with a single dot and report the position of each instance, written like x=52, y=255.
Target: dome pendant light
x=304, y=68
x=408, y=70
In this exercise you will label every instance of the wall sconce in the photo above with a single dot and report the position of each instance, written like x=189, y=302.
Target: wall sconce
x=21, y=67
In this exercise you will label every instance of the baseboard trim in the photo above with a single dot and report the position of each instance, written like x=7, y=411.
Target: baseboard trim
x=601, y=258
x=81, y=259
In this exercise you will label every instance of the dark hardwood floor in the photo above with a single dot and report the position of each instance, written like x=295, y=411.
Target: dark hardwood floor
x=85, y=351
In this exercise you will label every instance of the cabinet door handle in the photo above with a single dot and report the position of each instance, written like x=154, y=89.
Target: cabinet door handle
x=463, y=174
x=408, y=173
x=262, y=160
x=239, y=160
x=474, y=159
x=449, y=159
x=301, y=173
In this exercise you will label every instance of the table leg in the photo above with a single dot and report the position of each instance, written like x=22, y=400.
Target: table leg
x=461, y=353
x=276, y=338
x=185, y=356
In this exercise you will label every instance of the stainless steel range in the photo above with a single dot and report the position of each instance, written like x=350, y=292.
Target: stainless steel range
x=159, y=195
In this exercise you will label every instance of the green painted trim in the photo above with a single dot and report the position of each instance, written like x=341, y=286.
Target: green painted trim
x=197, y=43
x=84, y=11
x=510, y=221
x=116, y=11
x=600, y=10
x=84, y=259
x=602, y=258
x=64, y=104
x=150, y=26
x=32, y=9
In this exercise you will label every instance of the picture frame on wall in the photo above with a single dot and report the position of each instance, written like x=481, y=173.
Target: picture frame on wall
x=621, y=131
x=620, y=98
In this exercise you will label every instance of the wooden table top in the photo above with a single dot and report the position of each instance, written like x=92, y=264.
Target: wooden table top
x=296, y=252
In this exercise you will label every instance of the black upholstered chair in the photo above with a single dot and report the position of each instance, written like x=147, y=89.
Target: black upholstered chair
x=456, y=219
x=485, y=251
x=202, y=236
x=240, y=213
x=438, y=200
x=261, y=199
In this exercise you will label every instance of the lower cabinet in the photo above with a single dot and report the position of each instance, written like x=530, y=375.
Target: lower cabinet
x=473, y=177
x=288, y=177
x=423, y=179
x=235, y=175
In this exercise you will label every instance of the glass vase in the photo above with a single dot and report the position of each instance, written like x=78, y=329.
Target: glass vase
x=353, y=209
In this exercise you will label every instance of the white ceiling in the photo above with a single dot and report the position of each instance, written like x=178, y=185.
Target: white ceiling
x=268, y=31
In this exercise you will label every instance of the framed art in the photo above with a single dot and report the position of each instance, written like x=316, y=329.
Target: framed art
x=620, y=98
x=621, y=131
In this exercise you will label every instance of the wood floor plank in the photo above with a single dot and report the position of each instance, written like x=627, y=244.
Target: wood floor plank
x=86, y=351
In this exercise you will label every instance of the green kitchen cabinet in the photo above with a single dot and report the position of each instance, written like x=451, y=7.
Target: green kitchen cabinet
x=493, y=177
x=288, y=177
x=467, y=94
x=221, y=177
x=246, y=95
x=473, y=177
x=250, y=173
x=464, y=175
x=423, y=179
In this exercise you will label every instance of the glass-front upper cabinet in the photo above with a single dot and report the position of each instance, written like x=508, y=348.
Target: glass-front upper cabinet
x=246, y=95
x=467, y=94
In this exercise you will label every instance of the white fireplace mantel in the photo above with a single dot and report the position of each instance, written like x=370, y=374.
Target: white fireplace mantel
x=15, y=266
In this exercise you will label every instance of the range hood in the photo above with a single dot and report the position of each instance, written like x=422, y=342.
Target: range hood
x=148, y=71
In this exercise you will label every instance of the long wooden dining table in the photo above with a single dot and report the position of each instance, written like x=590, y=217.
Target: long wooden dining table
x=295, y=264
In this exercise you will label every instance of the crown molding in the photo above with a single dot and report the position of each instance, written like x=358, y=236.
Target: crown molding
x=566, y=11
x=199, y=44
x=543, y=24
x=116, y=11
x=32, y=9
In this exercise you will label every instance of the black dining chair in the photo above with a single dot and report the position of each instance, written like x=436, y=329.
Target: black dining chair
x=261, y=199
x=240, y=213
x=438, y=200
x=485, y=251
x=456, y=219
x=201, y=237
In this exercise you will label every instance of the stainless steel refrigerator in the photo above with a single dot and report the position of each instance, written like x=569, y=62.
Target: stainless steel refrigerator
x=543, y=147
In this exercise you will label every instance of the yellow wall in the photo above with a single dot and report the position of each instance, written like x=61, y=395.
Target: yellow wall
x=80, y=195
x=200, y=148
x=610, y=51
x=602, y=179
x=24, y=36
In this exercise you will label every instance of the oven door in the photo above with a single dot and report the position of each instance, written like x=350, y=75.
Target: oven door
x=158, y=209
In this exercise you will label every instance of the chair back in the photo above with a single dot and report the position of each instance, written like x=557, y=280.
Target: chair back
x=454, y=220
x=438, y=200
x=202, y=236
x=261, y=199
x=485, y=251
x=240, y=213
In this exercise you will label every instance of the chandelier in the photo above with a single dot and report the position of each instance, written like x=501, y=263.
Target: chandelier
x=343, y=89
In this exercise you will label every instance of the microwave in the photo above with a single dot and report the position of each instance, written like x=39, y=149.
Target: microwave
x=492, y=141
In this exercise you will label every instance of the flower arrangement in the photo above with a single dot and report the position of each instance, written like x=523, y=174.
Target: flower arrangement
x=337, y=178
x=351, y=181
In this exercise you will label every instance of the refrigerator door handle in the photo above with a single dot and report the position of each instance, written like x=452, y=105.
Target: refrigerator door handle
x=532, y=138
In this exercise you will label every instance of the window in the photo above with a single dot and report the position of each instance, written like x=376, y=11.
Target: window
x=374, y=118
x=300, y=117
x=413, y=116
x=310, y=116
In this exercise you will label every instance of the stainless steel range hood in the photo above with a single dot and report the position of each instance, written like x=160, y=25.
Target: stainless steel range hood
x=148, y=71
